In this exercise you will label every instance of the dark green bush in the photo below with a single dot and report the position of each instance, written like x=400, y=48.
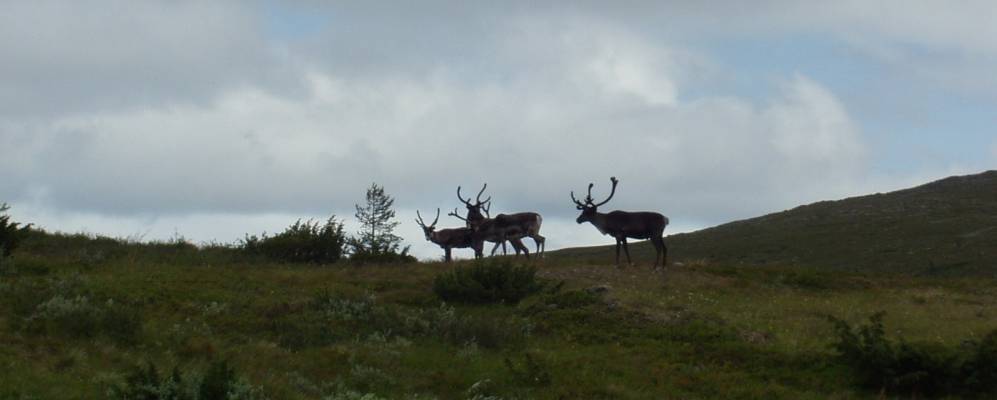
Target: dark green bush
x=915, y=369
x=10, y=234
x=302, y=242
x=80, y=317
x=980, y=369
x=360, y=255
x=218, y=382
x=490, y=281
x=328, y=318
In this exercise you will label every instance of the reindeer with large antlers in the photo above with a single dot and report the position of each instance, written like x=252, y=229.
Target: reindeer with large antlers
x=449, y=239
x=517, y=244
x=504, y=226
x=624, y=224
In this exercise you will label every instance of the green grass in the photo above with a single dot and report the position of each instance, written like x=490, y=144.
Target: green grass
x=298, y=331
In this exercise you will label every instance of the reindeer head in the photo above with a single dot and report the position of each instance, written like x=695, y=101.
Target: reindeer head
x=588, y=208
x=428, y=230
x=474, y=216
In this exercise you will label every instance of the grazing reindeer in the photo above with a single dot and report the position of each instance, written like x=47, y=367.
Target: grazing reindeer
x=448, y=239
x=623, y=224
x=503, y=226
x=517, y=244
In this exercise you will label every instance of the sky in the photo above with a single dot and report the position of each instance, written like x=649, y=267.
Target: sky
x=209, y=120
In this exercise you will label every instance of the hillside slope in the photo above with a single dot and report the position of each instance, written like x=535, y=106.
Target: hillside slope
x=945, y=227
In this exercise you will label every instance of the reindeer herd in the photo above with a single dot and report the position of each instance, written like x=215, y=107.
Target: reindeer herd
x=481, y=227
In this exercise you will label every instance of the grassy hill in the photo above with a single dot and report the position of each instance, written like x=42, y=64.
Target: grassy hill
x=85, y=317
x=81, y=316
x=944, y=227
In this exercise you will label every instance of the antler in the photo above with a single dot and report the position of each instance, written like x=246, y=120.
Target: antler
x=423, y=223
x=589, y=201
x=418, y=219
x=454, y=214
x=468, y=201
x=478, y=199
x=577, y=203
x=487, y=207
x=611, y=193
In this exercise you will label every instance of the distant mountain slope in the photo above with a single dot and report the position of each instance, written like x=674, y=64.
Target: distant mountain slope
x=944, y=227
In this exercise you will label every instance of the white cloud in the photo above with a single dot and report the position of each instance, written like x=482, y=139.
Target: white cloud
x=254, y=152
x=186, y=136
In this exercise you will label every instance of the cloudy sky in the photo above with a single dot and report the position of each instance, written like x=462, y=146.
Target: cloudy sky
x=215, y=119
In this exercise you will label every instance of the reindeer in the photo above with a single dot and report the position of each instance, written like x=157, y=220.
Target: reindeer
x=504, y=226
x=517, y=244
x=474, y=215
x=624, y=224
x=448, y=239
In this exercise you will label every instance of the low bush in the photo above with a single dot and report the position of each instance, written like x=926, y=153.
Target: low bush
x=490, y=281
x=79, y=317
x=328, y=319
x=360, y=255
x=217, y=382
x=302, y=242
x=915, y=369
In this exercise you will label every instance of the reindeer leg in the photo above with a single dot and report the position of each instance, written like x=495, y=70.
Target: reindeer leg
x=658, y=245
x=539, y=240
x=478, y=248
x=664, y=253
x=626, y=249
x=495, y=248
x=526, y=250
x=446, y=254
x=618, y=253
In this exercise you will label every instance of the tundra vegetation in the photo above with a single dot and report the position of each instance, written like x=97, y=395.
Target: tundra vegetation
x=795, y=305
x=85, y=316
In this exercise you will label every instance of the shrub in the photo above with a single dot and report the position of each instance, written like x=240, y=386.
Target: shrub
x=919, y=369
x=218, y=382
x=328, y=318
x=488, y=282
x=79, y=317
x=10, y=234
x=301, y=242
x=980, y=369
x=361, y=255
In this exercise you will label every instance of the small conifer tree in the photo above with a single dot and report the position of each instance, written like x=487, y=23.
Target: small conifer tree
x=376, y=239
x=10, y=234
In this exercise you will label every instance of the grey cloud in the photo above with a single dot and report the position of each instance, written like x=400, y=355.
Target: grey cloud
x=65, y=57
x=193, y=110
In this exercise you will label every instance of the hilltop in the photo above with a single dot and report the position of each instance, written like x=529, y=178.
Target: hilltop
x=84, y=317
x=944, y=227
